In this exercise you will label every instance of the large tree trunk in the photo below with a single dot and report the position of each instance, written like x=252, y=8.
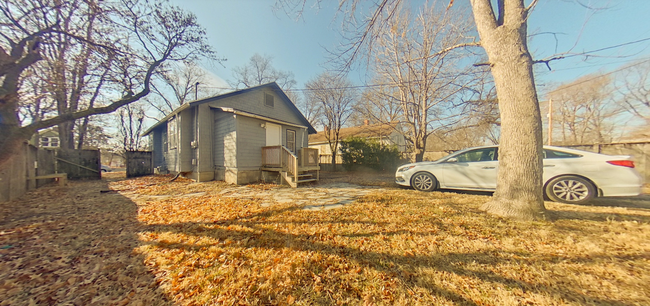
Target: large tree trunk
x=519, y=182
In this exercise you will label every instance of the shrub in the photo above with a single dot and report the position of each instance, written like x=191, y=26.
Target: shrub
x=358, y=152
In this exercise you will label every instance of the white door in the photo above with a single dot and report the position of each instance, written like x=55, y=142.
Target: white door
x=273, y=137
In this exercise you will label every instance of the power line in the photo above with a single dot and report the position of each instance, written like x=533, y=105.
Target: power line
x=596, y=77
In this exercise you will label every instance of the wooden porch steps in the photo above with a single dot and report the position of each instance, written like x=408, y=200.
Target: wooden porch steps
x=294, y=169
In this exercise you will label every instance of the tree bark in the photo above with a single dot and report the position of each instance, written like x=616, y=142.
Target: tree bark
x=519, y=182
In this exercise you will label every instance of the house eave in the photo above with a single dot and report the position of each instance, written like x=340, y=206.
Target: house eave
x=250, y=115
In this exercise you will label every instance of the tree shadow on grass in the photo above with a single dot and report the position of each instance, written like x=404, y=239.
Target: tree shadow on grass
x=404, y=268
x=641, y=202
x=74, y=245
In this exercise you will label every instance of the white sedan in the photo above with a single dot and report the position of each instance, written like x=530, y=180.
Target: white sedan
x=570, y=176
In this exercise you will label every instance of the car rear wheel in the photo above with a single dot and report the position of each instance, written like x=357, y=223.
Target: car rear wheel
x=570, y=189
x=423, y=181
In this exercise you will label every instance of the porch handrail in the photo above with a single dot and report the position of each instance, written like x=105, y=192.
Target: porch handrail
x=291, y=162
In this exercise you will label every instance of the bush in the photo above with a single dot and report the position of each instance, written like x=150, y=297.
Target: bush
x=358, y=152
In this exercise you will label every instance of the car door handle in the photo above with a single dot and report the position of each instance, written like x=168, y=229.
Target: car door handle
x=488, y=168
x=549, y=166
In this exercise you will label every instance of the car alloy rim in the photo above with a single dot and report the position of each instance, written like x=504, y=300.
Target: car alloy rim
x=570, y=190
x=423, y=182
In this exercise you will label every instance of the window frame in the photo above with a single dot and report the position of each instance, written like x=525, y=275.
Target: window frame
x=172, y=133
x=568, y=155
x=293, y=141
x=269, y=97
x=495, y=156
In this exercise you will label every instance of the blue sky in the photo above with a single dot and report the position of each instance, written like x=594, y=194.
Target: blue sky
x=237, y=29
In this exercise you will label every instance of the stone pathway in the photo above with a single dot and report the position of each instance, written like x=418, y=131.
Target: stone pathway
x=323, y=197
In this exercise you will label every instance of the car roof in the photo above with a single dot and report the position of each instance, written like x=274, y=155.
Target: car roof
x=569, y=150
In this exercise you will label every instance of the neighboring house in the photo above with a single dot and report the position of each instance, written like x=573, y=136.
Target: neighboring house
x=386, y=134
x=239, y=137
x=48, y=139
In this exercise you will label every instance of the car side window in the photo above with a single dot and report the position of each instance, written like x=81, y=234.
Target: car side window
x=558, y=154
x=478, y=155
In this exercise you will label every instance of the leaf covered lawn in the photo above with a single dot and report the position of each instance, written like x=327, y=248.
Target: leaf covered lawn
x=392, y=247
x=153, y=241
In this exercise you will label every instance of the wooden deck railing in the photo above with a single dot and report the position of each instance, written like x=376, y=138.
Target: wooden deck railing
x=272, y=156
x=309, y=157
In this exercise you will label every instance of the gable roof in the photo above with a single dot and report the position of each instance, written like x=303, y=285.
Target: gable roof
x=273, y=86
x=364, y=131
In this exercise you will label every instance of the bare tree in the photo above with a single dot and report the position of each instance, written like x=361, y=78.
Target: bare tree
x=634, y=87
x=377, y=104
x=131, y=118
x=503, y=33
x=427, y=80
x=336, y=98
x=149, y=34
x=179, y=83
x=584, y=111
x=311, y=108
x=260, y=70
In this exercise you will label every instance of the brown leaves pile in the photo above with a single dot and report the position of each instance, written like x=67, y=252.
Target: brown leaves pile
x=391, y=247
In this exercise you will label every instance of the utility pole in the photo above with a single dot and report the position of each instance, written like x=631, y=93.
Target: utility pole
x=550, y=121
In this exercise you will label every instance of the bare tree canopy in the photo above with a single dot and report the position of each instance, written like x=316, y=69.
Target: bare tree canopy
x=335, y=98
x=634, y=86
x=260, y=70
x=177, y=83
x=502, y=29
x=119, y=60
x=421, y=76
x=584, y=111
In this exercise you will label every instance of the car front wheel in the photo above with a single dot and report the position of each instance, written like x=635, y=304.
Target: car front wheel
x=570, y=189
x=423, y=181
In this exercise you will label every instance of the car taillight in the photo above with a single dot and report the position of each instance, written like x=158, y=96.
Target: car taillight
x=624, y=163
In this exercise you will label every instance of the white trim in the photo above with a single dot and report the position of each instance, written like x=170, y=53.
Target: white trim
x=245, y=114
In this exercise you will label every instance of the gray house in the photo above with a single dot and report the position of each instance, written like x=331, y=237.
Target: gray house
x=239, y=137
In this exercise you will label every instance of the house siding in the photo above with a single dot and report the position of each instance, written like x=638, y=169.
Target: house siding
x=204, y=130
x=252, y=137
x=158, y=146
x=225, y=140
x=186, y=132
x=253, y=102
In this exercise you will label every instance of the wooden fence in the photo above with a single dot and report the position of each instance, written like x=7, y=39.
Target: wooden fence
x=79, y=164
x=139, y=163
x=18, y=173
x=13, y=174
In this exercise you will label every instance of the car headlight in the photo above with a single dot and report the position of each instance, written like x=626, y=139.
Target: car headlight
x=405, y=168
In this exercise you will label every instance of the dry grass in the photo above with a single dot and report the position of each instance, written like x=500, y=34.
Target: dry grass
x=393, y=247
x=75, y=245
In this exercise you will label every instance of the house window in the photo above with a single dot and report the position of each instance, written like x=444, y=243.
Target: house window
x=172, y=133
x=291, y=140
x=50, y=142
x=268, y=100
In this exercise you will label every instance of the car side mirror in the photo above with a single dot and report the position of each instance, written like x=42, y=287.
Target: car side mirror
x=452, y=160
